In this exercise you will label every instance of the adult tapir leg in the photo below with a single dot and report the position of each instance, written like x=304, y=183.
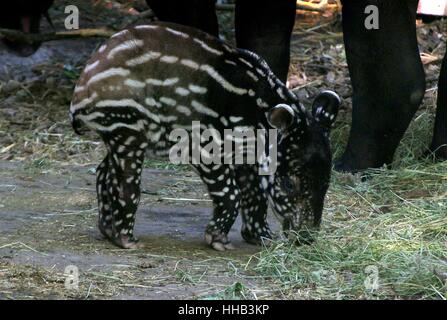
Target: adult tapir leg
x=25, y=16
x=439, y=142
x=387, y=78
x=200, y=14
x=265, y=27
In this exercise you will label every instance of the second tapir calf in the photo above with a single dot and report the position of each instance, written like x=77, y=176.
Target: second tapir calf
x=149, y=80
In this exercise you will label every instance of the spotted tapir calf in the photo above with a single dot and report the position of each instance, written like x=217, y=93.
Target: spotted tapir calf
x=151, y=79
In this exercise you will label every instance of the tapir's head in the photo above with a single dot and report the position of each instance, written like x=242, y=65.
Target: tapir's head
x=298, y=187
x=25, y=16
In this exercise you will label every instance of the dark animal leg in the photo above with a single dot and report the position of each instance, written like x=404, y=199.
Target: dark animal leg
x=200, y=14
x=439, y=143
x=387, y=78
x=265, y=27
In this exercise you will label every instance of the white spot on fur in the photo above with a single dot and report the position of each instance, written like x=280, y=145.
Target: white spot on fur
x=169, y=59
x=184, y=110
x=79, y=88
x=207, y=47
x=235, y=119
x=197, y=89
x=129, y=103
x=168, y=101
x=231, y=62
x=182, y=91
x=134, y=83
x=177, y=33
x=252, y=75
x=189, y=63
x=83, y=103
x=222, y=81
x=119, y=33
x=112, y=72
x=126, y=45
x=145, y=26
x=204, y=110
x=246, y=62
x=143, y=58
x=163, y=83
x=152, y=102
x=91, y=66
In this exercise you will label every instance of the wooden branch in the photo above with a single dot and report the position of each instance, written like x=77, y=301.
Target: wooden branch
x=35, y=38
x=304, y=5
x=300, y=5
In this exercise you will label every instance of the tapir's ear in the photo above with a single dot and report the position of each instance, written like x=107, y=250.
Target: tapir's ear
x=281, y=116
x=325, y=108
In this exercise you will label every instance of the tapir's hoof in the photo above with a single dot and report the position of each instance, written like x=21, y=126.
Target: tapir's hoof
x=263, y=238
x=218, y=242
x=437, y=153
x=344, y=167
x=122, y=241
x=105, y=231
x=127, y=242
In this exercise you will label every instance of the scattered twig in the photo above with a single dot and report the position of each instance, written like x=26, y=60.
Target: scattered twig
x=23, y=245
x=187, y=199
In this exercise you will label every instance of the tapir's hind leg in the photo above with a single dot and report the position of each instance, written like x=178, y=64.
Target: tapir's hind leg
x=125, y=161
x=105, y=213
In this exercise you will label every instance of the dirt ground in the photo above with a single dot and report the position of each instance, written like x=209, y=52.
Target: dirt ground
x=48, y=205
x=49, y=222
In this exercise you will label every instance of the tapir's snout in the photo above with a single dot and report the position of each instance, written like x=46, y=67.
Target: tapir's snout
x=300, y=233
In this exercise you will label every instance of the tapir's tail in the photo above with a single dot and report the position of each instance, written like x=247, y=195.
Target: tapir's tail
x=76, y=123
x=78, y=104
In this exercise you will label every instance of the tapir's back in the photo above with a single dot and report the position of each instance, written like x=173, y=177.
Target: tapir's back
x=170, y=74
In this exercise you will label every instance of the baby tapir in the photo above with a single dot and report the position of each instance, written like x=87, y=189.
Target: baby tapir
x=148, y=80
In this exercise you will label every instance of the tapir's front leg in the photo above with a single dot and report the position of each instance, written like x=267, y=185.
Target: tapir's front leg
x=255, y=227
x=225, y=194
